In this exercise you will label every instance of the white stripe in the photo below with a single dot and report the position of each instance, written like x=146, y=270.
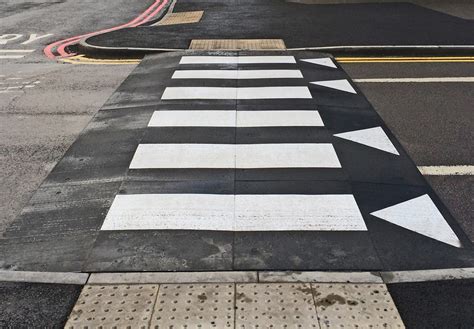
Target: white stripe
x=237, y=60
x=171, y=212
x=149, y=156
x=443, y=79
x=297, y=213
x=286, y=156
x=16, y=50
x=11, y=56
x=447, y=170
x=193, y=119
x=234, y=213
x=172, y=277
x=237, y=74
x=228, y=119
x=279, y=119
x=184, y=156
x=289, y=92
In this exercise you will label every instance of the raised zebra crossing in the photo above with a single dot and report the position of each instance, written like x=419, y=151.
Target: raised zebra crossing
x=237, y=161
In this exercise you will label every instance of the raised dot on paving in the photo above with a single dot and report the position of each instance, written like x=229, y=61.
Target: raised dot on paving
x=194, y=306
x=355, y=306
x=278, y=305
x=108, y=306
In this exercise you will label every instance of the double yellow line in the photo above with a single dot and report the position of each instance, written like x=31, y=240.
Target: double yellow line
x=455, y=59
x=82, y=59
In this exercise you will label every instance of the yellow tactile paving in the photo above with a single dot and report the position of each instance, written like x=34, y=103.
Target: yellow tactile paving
x=187, y=17
x=237, y=44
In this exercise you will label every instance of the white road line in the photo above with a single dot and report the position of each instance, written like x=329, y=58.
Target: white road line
x=237, y=74
x=150, y=156
x=193, y=119
x=234, y=213
x=279, y=119
x=297, y=213
x=447, y=170
x=11, y=56
x=237, y=60
x=290, y=92
x=16, y=50
x=425, y=80
x=286, y=156
x=228, y=119
x=172, y=277
x=243, y=156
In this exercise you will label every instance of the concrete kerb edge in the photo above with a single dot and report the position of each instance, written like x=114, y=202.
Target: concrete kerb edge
x=237, y=277
x=374, y=50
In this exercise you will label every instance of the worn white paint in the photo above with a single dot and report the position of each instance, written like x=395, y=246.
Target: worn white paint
x=16, y=50
x=237, y=74
x=292, y=155
x=321, y=61
x=297, y=213
x=416, y=80
x=172, y=277
x=234, y=213
x=447, y=170
x=372, y=137
x=235, y=119
x=183, y=156
x=193, y=119
x=237, y=60
x=279, y=119
x=243, y=156
x=171, y=212
x=342, y=85
x=6, y=38
x=11, y=56
x=422, y=216
x=289, y=92
x=35, y=37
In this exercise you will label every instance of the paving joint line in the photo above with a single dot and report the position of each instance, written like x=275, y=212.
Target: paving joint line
x=386, y=277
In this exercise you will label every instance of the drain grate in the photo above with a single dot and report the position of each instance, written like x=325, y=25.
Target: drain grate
x=121, y=306
x=355, y=306
x=275, y=306
x=237, y=44
x=186, y=17
x=194, y=306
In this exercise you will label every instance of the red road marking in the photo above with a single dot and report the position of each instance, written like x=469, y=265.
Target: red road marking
x=144, y=17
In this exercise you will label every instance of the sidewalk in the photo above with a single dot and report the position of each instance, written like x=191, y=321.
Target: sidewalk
x=363, y=27
x=241, y=300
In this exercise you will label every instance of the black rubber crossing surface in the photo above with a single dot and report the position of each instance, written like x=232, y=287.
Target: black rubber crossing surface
x=69, y=223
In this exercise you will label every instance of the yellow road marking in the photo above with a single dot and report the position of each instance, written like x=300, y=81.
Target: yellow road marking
x=81, y=59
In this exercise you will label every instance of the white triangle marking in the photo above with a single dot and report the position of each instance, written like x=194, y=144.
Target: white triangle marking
x=372, y=137
x=321, y=61
x=342, y=85
x=420, y=215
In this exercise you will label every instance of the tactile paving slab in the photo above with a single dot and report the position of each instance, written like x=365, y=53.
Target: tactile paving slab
x=114, y=306
x=194, y=306
x=186, y=17
x=275, y=306
x=355, y=306
x=237, y=44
